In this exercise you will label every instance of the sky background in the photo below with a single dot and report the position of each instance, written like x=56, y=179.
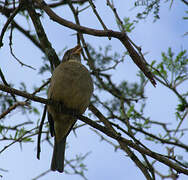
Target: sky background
x=102, y=163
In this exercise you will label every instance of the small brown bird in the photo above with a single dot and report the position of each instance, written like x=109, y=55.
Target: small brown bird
x=72, y=85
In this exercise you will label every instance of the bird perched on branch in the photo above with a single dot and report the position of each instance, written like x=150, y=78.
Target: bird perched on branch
x=72, y=85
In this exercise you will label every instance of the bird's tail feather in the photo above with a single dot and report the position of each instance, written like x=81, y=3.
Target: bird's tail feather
x=57, y=163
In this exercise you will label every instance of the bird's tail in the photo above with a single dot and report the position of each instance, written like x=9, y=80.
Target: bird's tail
x=57, y=163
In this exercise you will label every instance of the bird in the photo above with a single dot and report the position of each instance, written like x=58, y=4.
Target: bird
x=71, y=84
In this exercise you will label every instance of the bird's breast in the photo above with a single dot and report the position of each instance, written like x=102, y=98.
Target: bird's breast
x=71, y=83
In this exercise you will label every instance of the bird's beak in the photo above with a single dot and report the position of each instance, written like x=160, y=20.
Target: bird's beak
x=77, y=50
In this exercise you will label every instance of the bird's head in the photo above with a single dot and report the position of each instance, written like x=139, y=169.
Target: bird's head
x=72, y=54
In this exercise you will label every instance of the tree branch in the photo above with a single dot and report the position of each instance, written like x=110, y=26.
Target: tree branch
x=24, y=94
x=103, y=129
x=102, y=33
x=45, y=43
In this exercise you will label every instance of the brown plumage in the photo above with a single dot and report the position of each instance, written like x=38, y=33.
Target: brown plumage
x=71, y=84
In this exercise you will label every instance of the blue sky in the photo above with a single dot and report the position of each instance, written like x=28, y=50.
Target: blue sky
x=102, y=163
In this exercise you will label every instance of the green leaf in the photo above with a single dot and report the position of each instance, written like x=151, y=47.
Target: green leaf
x=129, y=112
x=28, y=139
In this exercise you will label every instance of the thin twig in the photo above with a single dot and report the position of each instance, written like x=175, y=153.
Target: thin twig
x=40, y=132
x=9, y=20
x=12, y=53
x=181, y=121
x=21, y=138
x=42, y=174
x=11, y=108
x=97, y=15
x=5, y=82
